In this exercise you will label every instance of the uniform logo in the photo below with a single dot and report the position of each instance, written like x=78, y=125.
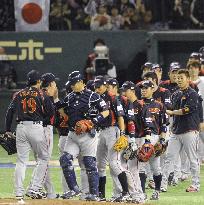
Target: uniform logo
x=154, y=110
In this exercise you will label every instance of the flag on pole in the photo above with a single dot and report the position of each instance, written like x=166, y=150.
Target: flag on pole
x=32, y=15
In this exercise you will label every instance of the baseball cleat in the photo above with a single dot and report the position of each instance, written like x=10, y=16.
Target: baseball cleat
x=70, y=194
x=155, y=195
x=192, y=189
x=19, y=197
x=124, y=197
x=36, y=194
x=163, y=189
x=92, y=197
x=184, y=177
x=151, y=184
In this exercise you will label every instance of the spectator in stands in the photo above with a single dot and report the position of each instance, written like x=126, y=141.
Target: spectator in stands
x=197, y=14
x=101, y=21
x=92, y=68
x=180, y=17
x=131, y=18
x=116, y=19
x=7, y=20
x=81, y=21
x=8, y=77
x=60, y=16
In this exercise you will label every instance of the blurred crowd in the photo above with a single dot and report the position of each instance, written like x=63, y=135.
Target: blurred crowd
x=115, y=14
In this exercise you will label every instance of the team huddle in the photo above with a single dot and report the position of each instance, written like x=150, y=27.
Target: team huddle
x=150, y=134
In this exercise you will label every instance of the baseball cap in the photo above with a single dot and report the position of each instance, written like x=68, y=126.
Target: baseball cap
x=146, y=84
x=90, y=85
x=47, y=78
x=147, y=65
x=174, y=66
x=112, y=81
x=195, y=55
x=155, y=66
x=128, y=85
x=74, y=77
x=98, y=82
x=33, y=76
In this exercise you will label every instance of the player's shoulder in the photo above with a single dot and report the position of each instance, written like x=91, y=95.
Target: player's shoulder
x=164, y=82
x=141, y=102
x=93, y=96
x=163, y=90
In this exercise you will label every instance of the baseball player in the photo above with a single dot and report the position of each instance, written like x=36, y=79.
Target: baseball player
x=48, y=86
x=185, y=129
x=194, y=70
x=150, y=127
x=62, y=127
x=171, y=84
x=30, y=106
x=146, y=67
x=110, y=132
x=79, y=142
x=158, y=70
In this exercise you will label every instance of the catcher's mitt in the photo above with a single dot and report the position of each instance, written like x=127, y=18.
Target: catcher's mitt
x=160, y=148
x=8, y=142
x=121, y=143
x=145, y=152
x=83, y=126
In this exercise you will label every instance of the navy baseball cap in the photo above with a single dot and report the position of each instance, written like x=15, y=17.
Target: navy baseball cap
x=98, y=82
x=74, y=77
x=146, y=84
x=128, y=85
x=33, y=76
x=155, y=66
x=147, y=65
x=47, y=78
x=195, y=55
x=174, y=66
x=90, y=85
x=112, y=81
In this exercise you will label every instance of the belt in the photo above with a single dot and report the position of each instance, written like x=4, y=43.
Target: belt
x=30, y=122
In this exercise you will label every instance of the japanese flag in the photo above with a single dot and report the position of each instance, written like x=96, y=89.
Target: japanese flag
x=32, y=15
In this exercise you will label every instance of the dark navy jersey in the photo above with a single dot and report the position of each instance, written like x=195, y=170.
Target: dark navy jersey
x=78, y=105
x=61, y=123
x=150, y=117
x=115, y=107
x=188, y=101
x=161, y=94
x=172, y=87
x=29, y=104
x=49, y=120
x=164, y=96
x=127, y=107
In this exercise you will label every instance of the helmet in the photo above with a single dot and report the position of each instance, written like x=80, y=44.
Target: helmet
x=74, y=77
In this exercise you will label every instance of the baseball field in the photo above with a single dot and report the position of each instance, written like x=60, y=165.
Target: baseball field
x=175, y=195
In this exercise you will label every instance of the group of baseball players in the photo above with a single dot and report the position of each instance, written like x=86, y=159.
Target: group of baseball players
x=101, y=125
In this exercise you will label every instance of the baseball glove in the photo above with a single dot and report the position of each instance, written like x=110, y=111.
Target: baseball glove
x=129, y=153
x=121, y=143
x=145, y=152
x=160, y=147
x=8, y=142
x=83, y=126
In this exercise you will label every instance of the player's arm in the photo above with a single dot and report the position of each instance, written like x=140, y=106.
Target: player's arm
x=9, y=114
x=60, y=105
x=191, y=105
x=167, y=100
x=120, y=116
x=100, y=104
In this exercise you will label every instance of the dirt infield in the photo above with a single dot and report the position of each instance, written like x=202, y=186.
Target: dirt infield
x=54, y=202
